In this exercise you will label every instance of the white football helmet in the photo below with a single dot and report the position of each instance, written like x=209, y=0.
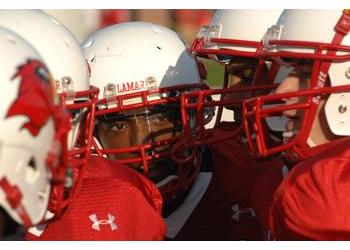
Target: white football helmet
x=235, y=33
x=109, y=49
x=234, y=36
x=33, y=134
x=140, y=66
x=320, y=37
x=66, y=62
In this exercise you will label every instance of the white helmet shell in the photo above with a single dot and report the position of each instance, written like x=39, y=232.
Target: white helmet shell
x=138, y=56
x=55, y=43
x=22, y=155
x=248, y=25
x=59, y=48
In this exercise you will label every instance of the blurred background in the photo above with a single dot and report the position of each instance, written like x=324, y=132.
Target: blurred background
x=83, y=22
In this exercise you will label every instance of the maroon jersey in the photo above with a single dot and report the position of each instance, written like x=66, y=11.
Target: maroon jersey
x=217, y=206
x=262, y=195
x=114, y=203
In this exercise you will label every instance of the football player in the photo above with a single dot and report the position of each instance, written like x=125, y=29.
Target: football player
x=33, y=135
x=230, y=40
x=314, y=97
x=106, y=201
x=144, y=71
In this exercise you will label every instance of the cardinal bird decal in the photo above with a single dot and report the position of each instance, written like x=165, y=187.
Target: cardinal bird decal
x=35, y=96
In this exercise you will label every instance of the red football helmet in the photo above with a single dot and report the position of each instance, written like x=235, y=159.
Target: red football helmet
x=316, y=40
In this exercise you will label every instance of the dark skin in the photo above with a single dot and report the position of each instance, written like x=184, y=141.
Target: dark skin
x=135, y=130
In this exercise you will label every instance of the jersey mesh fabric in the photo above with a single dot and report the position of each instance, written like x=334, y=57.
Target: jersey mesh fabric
x=114, y=203
x=312, y=202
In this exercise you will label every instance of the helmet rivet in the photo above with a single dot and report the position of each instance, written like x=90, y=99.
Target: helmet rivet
x=111, y=87
x=342, y=109
x=347, y=73
x=66, y=80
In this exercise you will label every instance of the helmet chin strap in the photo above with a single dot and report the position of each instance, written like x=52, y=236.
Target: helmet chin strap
x=14, y=197
x=182, y=153
x=183, y=183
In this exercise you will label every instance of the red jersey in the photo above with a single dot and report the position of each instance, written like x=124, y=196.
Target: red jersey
x=312, y=202
x=114, y=203
x=264, y=190
x=217, y=206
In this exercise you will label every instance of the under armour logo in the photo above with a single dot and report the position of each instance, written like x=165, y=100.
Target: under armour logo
x=97, y=223
x=238, y=213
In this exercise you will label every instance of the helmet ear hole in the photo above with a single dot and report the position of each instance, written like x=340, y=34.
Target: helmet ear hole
x=32, y=164
x=32, y=170
x=158, y=47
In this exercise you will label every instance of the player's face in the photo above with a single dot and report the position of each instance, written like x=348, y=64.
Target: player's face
x=241, y=74
x=137, y=129
x=298, y=79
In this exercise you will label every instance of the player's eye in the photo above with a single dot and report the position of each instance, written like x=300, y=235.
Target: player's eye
x=118, y=127
x=160, y=120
